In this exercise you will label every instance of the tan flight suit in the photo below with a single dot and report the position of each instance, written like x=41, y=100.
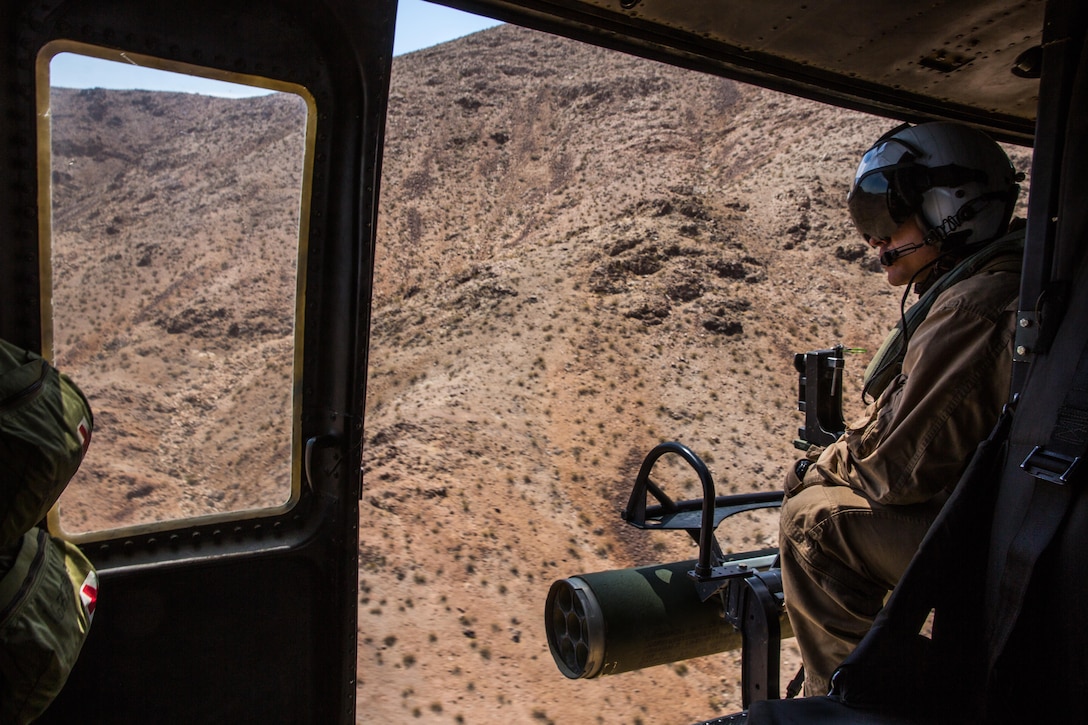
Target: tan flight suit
x=849, y=529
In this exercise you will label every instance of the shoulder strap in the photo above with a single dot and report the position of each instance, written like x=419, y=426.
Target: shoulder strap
x=1035, y=496
x=1053, y=468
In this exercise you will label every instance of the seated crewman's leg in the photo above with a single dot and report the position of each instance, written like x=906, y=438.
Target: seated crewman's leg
x=841, y=555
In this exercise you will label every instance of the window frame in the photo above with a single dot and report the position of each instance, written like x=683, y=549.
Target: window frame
x=297, y=465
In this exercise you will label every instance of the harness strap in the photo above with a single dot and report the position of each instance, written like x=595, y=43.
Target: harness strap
x=1053, y=468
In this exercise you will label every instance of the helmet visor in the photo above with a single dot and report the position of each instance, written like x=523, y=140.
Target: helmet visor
x=875, y=202
x=871, y=206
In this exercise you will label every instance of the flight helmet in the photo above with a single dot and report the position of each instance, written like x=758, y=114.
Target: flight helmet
x=957, y=182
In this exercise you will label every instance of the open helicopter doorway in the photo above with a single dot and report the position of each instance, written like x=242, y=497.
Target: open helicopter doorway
x=582, y=254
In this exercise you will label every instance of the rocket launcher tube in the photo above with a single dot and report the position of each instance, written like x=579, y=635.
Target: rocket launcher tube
x=621, y=620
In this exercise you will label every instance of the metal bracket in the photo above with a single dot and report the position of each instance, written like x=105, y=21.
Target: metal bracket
x=753, y=605
x=725, y=573
x=1027, y=336
x=819, y=396
x=1050, y=466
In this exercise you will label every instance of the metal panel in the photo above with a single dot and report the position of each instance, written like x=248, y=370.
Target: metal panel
x=912, y=60
x=256, y=620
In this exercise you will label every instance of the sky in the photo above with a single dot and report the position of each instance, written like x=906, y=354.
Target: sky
x=419, y=25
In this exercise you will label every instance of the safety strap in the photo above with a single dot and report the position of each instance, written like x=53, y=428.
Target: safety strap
x=1051, y=468
x=1054, y=468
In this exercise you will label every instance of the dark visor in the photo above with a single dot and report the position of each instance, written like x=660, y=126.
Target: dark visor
x=875, y=204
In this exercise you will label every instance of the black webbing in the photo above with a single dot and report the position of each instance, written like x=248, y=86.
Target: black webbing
x=1036, y=515
x=1053, y=466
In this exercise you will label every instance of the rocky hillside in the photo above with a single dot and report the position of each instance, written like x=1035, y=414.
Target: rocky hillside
x=165, y=207
x=581, y=254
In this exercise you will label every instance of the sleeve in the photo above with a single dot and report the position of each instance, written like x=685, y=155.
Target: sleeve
x=915, y=440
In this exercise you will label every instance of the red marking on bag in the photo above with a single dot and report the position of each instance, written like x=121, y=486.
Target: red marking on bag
x=85, y=434
x=88, y=593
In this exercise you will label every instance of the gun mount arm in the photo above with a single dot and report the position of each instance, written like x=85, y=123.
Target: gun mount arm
x=699, y=517
x=750, y=586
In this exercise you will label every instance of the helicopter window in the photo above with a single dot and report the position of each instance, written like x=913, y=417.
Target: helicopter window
x=170, y=278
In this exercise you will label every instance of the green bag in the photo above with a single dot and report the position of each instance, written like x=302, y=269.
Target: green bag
x=47, y=600
x=45, y=428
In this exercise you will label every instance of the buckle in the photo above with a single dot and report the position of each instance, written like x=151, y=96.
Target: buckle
x=1050, y=466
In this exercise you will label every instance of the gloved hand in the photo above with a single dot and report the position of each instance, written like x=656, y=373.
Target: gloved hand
x=795, y=477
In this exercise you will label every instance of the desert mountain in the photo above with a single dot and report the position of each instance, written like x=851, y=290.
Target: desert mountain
x=168, y=209
x=580, y=254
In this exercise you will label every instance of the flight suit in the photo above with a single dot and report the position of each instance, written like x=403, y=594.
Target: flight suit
x=851, y=525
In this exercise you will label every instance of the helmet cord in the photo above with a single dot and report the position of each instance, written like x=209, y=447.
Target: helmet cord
x=927, y=267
